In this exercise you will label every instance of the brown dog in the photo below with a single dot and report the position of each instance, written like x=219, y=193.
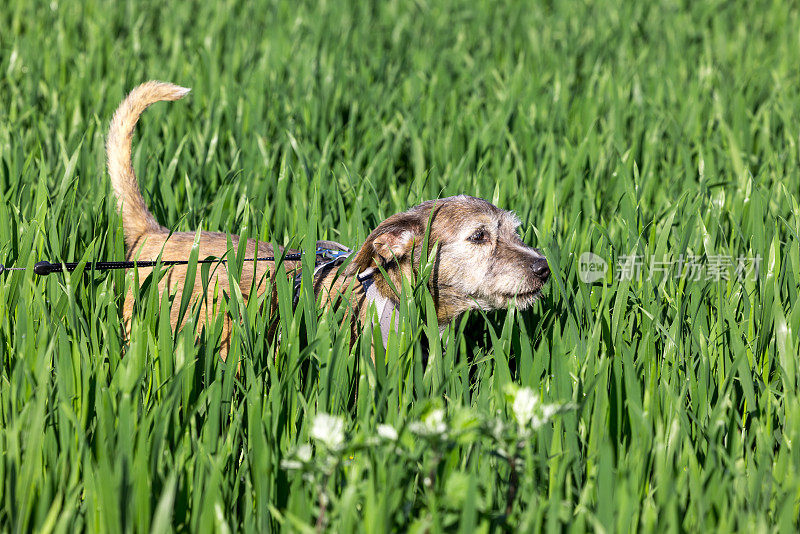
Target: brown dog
x=479, y=260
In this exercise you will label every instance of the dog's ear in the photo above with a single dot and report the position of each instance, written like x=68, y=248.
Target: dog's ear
x=393, y=245
x=391, y=241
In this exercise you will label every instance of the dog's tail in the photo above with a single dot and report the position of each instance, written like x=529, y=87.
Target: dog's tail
x=136, y=218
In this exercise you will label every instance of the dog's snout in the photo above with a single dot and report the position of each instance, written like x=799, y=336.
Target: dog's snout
x=540, y=269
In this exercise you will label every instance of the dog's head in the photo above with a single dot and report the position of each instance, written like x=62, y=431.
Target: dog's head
x=479, y=259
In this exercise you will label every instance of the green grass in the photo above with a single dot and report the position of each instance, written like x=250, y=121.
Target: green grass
x=653, y=129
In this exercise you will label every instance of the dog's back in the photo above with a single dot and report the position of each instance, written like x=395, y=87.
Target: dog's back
x=146, y=239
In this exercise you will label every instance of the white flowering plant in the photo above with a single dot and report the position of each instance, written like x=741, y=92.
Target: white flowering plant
x=421, y=445
x=527, y=408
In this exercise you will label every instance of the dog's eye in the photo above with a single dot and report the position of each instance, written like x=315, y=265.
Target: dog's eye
x=478, y=236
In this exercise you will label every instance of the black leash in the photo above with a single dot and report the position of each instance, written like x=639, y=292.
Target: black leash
x=43, y=268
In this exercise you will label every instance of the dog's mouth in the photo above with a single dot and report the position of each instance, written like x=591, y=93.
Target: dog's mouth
x=520, y=299
x=524, y=299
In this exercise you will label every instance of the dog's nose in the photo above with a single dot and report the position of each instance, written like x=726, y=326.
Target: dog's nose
x=540, y=269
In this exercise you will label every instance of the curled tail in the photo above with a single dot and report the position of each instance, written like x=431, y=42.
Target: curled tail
x=136, y=218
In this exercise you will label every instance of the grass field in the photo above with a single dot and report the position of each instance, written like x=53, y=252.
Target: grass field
x=648, y=133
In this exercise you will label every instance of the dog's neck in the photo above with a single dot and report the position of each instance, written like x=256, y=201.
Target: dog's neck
x=373, y=300
x=379, y=305
x=379, y=293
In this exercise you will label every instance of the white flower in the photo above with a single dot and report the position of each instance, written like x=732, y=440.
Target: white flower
x=387, y=432
x=546, y=412
x=301, y=457
x=291, y=464
x=431, y=425
x=524, y=406
x=528, y=410
x=304, y=452
x=329, y=430
x=549, y=410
